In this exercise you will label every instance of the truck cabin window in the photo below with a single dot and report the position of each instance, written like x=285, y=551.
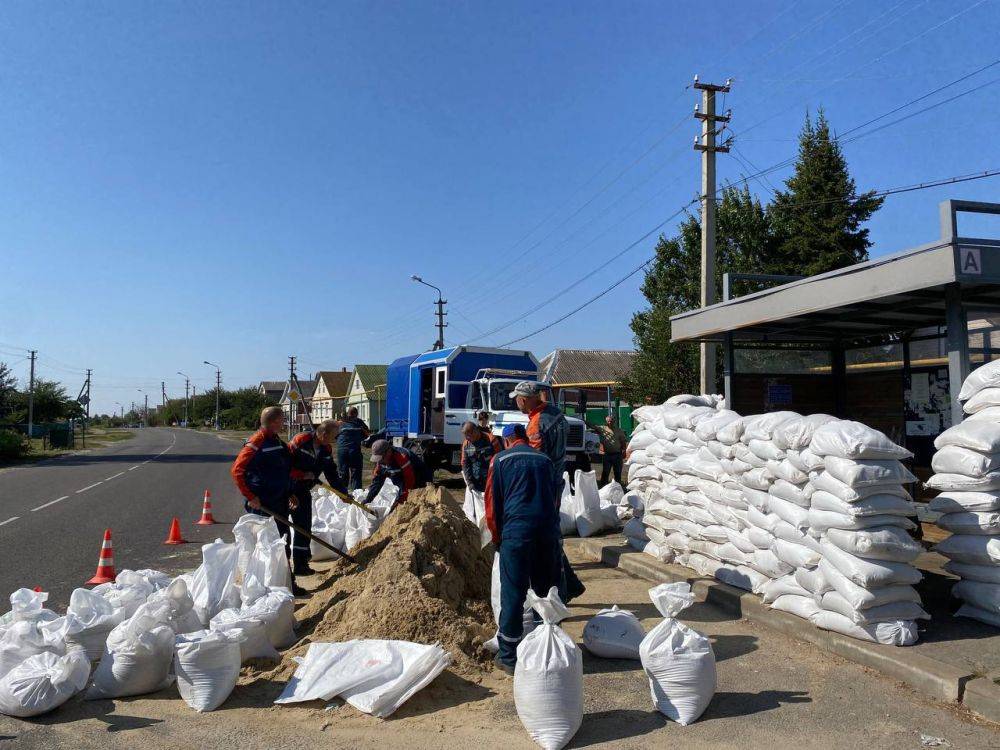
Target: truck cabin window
x=500, y=396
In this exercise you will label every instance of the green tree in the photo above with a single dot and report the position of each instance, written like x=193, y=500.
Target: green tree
x=819, y=218
x=51, y=403
x=8, y=392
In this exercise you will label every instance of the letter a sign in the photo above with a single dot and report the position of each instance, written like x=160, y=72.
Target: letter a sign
x=969, y=261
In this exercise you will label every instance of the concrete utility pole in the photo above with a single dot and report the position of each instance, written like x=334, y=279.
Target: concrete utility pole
x=31, y=394
x=441, y=325
x=187, y=388
x=218, y=388
x=291, y=403
x=706, y=144
x=163, y=394
x=84, y=399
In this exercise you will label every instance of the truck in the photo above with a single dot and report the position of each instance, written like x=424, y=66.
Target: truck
x=429, y=396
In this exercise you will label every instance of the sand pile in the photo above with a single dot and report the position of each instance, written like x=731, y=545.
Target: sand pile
x=421, y=577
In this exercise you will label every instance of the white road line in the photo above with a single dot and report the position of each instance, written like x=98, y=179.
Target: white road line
x=51, y=502
x=4, y=523
x=89, y=487
x=134, y=467
x=120, y=473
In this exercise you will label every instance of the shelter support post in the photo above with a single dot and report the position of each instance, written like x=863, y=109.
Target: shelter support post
x=728, y=368
x=838, y=369
x=958, y=347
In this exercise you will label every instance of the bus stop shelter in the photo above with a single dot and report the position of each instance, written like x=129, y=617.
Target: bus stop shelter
x=811, y=330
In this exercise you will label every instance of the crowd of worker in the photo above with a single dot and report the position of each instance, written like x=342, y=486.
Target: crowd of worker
x=520, y=474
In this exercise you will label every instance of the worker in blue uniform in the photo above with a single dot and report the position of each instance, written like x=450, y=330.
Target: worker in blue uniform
x=523, y=516
x=353, y=431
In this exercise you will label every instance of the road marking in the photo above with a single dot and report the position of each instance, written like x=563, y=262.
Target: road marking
x=120, y=473
x=4, y=523
x=89, y=487
x=134, y=467
x=51, y=502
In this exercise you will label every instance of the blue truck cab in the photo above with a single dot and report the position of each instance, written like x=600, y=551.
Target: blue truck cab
x=429, y=396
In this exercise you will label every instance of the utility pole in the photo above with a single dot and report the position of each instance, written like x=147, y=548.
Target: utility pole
x=707, y=145
x=218, y=389
x=84, y=399
x=163, y=394
x=145, y=411
x=31, y=394
x=441, y=325
x=291, y=403
x=187, y=388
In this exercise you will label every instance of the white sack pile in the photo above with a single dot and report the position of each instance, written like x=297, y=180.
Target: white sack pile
x=808, y=511
x=585, y=510
x=344, y=525
x=967, y=471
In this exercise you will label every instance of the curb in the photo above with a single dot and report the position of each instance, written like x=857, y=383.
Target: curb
x=933, y=678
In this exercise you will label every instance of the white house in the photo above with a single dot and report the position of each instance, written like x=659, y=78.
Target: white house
x=328, y=398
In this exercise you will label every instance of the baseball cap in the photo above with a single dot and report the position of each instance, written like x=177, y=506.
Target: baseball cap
x=379, y=448
x=526, y=388
x=515, y=431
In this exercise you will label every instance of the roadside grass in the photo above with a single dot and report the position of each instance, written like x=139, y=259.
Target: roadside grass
x=97, y=437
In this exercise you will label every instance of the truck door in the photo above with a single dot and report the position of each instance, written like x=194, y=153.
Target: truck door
x=426, y=397
x=438, y=400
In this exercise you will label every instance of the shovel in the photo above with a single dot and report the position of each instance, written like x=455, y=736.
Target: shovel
x=348, y=499
x=300, y=530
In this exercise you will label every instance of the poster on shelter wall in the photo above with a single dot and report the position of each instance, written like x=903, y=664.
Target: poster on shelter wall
x=928, y=409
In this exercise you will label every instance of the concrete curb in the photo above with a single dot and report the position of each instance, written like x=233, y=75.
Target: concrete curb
x=931, y=677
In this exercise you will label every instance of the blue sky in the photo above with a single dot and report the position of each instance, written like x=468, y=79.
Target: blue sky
x=243, y=181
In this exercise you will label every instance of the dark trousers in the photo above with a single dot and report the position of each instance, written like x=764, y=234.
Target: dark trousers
x=612, y=462
x=349, y=465
x=302, y=516
x=524, y=564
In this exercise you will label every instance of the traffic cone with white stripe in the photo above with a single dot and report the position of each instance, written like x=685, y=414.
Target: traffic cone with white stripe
x=105, y=563
x=206, y=511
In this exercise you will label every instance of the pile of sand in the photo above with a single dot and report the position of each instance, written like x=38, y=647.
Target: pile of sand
x=421, y=577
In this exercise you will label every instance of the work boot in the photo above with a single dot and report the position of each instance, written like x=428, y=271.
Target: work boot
x=298, y=591
x=503, y=666
x=302, y=568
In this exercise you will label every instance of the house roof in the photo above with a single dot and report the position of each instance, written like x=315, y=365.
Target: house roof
x=371, y=375
x=272, y=385
x=579, y=366
x=336, y=381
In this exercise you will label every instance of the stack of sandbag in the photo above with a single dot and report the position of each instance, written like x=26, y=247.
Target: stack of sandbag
x=137, y=655
x=967, y=471
x=344, y=525
x=859, y=512
x=634, y=529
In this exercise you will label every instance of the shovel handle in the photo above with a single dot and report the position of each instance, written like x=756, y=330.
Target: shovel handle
x=348, y=499
x=308, y=535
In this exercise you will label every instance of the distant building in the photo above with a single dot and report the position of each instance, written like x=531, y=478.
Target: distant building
x=294, y=413
x=331, y=390
x=272, y=390
x=585, y=381
x=367, y=393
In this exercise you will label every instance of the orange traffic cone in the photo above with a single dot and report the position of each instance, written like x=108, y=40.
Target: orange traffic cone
x=174, y=537
x=105, y=563
x=206, y=511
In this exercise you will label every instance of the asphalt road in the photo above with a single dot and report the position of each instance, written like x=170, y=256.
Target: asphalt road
x=53, y=514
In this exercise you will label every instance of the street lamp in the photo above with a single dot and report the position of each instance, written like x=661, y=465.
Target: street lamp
x=119, y=403
x=187, y=388
x=218, y=387
x=145, y=409
x=441, y=325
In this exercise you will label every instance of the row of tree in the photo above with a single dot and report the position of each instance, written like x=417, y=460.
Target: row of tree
x=814, y=225
x=51, y=401
x=238, y=410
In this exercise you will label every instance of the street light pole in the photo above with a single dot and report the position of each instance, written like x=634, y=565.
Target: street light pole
x=441, y=325
x=187, y=388
x=145, y=410
x=218, y=388
x=119, y=404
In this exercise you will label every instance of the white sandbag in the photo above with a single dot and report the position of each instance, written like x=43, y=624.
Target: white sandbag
x=766, y=450
x=611, y=493
x=589, y=519
x=790, y=513
x=758, y=479
x=766, y=562
x=262, y=563
x=43, y=682
x=213, y=585
x=678, y=661
x=873, y=505
x=862, y=598
x=89, y=620
x=741, y=542
x=27, y=604
x=980, y=436
x=812, y=581
x=647, y=413
x=786, y=585
x=848, y=439
x=707, y=429
x=760, y=538
x=762, y=426
x=634, y=529
x=800, y=606
x=730, y=433
x=797, y=494
x=761, y=520
x=759, y=500
x=974, y=612
x=126, y=598
x=821, y=521
x=966, y=571
x=953, y=459
x=971, y=549
x=869, y=573
x=329, y=519
x=805, y=460
x=787, y=471
x=567, y=509
x=26, y=638
x=984, y=399
x=971, y=522
x=276, y=609
x=796, y=433
x=477, y=502
x=687, y=417
x=742, y=577
x=984, y=376
x=795, y=555
x=207, y=665
x=548, y=677
x=826, y=482
x=890, y=612
x=983, y=595
x=689, y=399
x=613, y=634
x=898, y=633
x=879, y=543
x=962, y=483
x=959, y=502
x=250, y=631
x=867, y=472
x=183, y=618
x=641, y=440
x=137, y=657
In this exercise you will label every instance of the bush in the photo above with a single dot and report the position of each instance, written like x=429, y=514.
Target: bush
x=13, y=444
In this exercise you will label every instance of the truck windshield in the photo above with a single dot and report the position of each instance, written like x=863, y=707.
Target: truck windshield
x=500, y=395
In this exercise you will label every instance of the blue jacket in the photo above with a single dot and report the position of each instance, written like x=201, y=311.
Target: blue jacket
x=520, y=496
x=352, y=434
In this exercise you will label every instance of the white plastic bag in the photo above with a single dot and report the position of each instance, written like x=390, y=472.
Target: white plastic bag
x=207, y=665
x=43, y=682
x=262, y=563
x=27, y=604
x=183, y=618
x=548, y=677
x=953, y=459
x=328, y=523
x=614, y=634
x=896, y=633
x=978, y=435
x=678, y=661
x=89, y=620
x=213, y=584
x=26, y=638
x=252, y=634
x=960, y=502
x=475, y=511
x=985, y=376
x=137, y=656
x=879, y=543
x=589, y=519
x=971, y=549
x=848, y=439
x=277, y=610
x=867, y=472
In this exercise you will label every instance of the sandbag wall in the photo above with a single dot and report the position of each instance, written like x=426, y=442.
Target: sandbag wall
x=967, y=471
x=808, y=511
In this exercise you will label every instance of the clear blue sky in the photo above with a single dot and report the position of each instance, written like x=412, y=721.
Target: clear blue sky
x=243, y=181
